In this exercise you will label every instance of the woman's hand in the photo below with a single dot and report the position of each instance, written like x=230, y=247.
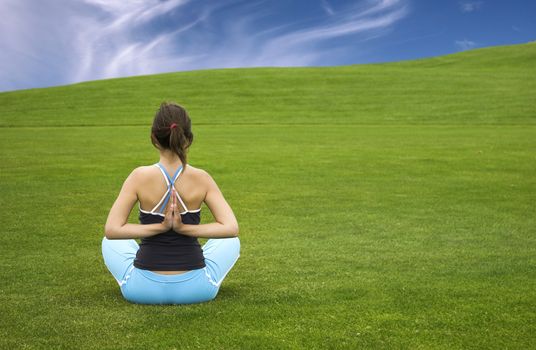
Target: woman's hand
x=177, y=219
x=167, y=223
x=172, y=218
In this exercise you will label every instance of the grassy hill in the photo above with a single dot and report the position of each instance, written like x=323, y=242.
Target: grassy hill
x=380, y=206
x=486, y=86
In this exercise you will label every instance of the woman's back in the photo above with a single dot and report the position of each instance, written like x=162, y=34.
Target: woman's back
x=169, y=251
x=169, y=265
x=190, y=185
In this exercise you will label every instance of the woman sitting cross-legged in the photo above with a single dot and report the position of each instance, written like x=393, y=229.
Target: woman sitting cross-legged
x=169, y=266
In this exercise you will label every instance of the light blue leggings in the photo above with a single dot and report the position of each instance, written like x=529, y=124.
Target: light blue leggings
x=147, y=287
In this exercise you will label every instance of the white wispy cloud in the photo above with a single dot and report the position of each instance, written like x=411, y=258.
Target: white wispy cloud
x=465, y=44
x=95, y=39
x=471, y=6
x=327, y=7
x=298, y=47
x=108, y=47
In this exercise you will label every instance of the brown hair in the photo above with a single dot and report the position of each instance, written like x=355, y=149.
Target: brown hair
x=176, y=137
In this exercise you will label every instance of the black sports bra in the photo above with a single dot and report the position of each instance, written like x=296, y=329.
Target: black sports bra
x=169, y=251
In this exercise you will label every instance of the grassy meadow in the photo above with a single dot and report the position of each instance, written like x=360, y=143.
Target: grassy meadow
x=381, y=206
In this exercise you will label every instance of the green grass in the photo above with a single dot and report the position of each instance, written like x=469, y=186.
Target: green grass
x=380, y=206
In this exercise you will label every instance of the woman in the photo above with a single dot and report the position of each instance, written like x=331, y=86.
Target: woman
x=169, y=266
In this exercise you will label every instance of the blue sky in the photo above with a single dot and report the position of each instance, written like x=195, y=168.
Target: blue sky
x=56, y=42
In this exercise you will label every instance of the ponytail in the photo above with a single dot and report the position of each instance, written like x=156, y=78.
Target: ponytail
x=172, y=129
x=178, y=143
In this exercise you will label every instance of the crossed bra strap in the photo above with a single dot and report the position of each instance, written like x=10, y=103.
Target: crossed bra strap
x=169, y=182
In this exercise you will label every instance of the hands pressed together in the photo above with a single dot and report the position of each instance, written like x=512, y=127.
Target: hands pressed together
x=172, y=220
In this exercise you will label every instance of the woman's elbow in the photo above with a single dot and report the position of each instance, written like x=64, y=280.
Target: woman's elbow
x=234, y=230
x=109, y=232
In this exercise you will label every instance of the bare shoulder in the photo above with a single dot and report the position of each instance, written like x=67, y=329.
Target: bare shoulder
x=142, y=173
x=146, y=173
x=198, y=173
x=204, y=180
x=143, y=170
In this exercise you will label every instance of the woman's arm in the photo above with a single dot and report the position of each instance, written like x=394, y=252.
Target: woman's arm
x=225, y=225
x=116, y=225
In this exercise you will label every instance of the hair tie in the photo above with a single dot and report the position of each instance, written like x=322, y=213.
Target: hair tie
x=173, y=126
